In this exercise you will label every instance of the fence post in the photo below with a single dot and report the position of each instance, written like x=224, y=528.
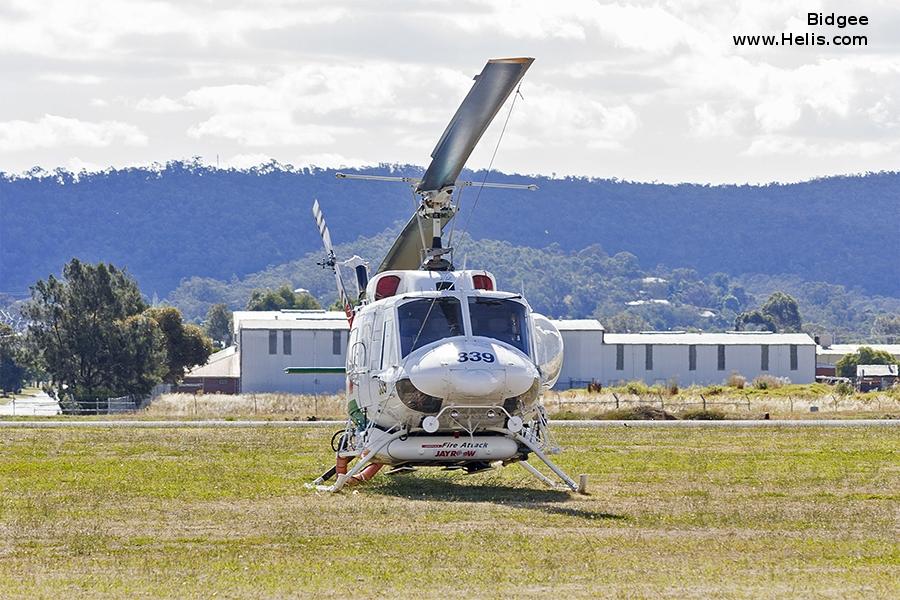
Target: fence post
x=791, y=399
x=702, y=397
x=616, y=396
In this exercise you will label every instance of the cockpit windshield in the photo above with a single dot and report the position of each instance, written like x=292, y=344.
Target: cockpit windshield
x=503, y=320
x=427, y=320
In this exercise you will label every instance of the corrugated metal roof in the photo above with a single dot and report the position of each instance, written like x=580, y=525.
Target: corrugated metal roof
x=876, y=370
x=224, y=363
x=755, y=338
x=239, y=316
x=842, y=349
x=313, y=324
x=578, y=325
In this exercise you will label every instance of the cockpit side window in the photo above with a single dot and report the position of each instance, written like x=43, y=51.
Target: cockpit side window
x=427, y=320
x=503, y=320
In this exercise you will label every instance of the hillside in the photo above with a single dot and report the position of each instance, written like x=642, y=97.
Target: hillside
x=185, y=220
x=616, y=289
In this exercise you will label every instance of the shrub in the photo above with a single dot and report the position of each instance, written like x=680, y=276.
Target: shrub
x=672, y=387
x=638, y=388
x=699, y=414
x=843, y=388
x=638, y=413
x=567, y=415
x=736, y=380
x=712, y=390
x=768, y=382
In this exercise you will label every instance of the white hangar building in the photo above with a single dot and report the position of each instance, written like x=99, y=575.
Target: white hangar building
x=270, y=341
x=706, y=358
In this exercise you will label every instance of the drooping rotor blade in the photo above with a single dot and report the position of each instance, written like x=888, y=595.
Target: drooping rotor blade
x=406, y=253
x=491, y=89
x=330, y=260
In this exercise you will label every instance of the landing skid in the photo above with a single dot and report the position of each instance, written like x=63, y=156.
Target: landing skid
x=356, y=474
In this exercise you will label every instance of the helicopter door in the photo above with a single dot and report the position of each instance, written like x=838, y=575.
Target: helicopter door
x=389, y=345
x=372, y=388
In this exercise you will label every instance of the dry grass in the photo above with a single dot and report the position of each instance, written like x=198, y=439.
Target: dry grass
x=576, y=404
x=219, y=406
x=108, y=513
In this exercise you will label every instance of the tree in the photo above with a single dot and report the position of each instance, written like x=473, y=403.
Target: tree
x=784, y=311
x=280, y=299
x=626, y=322
x=83, y=335
x=755, y=320
x=846, y=366
x=219, y=324
x=12, y=368
x=887, y=328
x=779, y=313
x=186, y=344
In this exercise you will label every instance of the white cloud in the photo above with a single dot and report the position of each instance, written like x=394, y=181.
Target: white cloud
x=550, y=116
x=92, y=30
x=782, y=145
x=69, y=78
x=645, y=28
x=328, y=81
x=162, y=104
x=76, y=165
x=51, y=131
x=706, y=122
x=776, y=114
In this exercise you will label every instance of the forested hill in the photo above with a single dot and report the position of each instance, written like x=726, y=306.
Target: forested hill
x=186, y=220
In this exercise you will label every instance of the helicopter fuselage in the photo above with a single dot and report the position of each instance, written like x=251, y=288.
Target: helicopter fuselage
x=440, y=354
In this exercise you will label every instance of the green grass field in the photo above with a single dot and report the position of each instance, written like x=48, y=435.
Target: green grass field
x=150, y=513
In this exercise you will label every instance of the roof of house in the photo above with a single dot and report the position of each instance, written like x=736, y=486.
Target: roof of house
x=241, y=316
x=578, y=325
x=313, y=324
x=729, y=338
x=876, y=370
x=224, y=363
x=842, y=349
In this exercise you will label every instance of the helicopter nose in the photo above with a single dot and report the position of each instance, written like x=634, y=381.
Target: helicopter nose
x=475, y=382
x=472, y=371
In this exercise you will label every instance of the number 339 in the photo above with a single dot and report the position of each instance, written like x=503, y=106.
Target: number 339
x=475, y=357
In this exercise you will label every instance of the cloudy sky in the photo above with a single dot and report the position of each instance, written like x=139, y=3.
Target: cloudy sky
x=639, y=90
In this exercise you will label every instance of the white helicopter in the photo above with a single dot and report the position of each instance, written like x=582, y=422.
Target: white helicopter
x=443, y=369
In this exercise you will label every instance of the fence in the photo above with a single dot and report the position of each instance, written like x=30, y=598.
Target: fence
x=736, y=403
x=105, y=406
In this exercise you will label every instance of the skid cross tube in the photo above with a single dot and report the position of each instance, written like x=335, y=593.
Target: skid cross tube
x=540, y=454
x=543, y=478
x=365, y=460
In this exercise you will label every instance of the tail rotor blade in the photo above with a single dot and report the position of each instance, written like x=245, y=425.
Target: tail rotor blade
x=331, y=261
x=323, y=228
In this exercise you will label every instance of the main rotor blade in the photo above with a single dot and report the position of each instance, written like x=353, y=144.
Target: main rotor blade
x=491, y=89
x=406, y=253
